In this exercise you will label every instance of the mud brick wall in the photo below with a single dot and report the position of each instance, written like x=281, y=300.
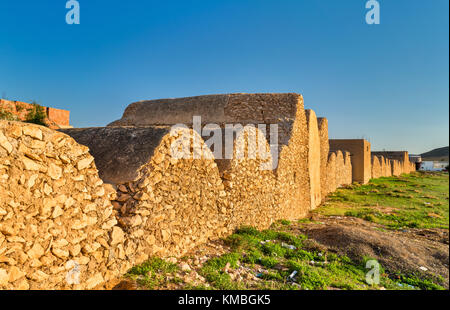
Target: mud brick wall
x=314, y=159
x=56, y=219
x=58, y=116
x=17, y=108
x=360, y=157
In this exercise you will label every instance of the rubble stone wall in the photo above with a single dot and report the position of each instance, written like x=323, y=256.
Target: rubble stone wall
x=388, y=167
x=293, y=178
x=57, y=224
x=347, y=177
x=331, y=173
x=377, y=170
x=285, y=110
x=340, y=169
x=360, y=157
x=324, y=154
x=401, y=156
x=119, y=152
x=314, y=159
x=63, y=226
x=396, y=167
x=175, y=203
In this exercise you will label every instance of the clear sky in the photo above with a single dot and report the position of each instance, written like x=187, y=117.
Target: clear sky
x=387, y=83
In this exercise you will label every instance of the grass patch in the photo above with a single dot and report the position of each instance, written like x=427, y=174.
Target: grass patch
x=283, y=260
x=420, y=200
x=152, y=273
x=280, y=254
x=36, y=115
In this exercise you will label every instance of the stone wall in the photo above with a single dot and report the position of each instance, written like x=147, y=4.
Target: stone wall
x=243, y=188
x=391, y=167
x=250, y=183
x=348, y=170
x=324, y=154
x=377, y=170
x=314, y=159
x=56, y=219
x=383, y=166
x=119, y=152
x=59, y=220
x=285, y=110
x=388, y=168
x=331, y=173
x=360, y=157
x=396, y=167
x=343, y=168
x=339, y=170
x=401, y=156
x=174, y=204
x=293, y=173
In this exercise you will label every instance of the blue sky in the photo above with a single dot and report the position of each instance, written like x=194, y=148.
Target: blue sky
x=387, y=83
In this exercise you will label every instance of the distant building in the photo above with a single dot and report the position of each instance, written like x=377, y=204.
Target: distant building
x=417, y=160
x=56, y=118
x=433, y=165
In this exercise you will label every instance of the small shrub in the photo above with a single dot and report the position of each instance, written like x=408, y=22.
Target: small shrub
x=36, y=115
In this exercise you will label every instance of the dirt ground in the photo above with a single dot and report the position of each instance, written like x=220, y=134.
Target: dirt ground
x=408, y=251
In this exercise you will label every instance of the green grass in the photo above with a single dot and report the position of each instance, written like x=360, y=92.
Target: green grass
x=272, y=255
x=268, y=250
x=418, y=200
x=315, y=270
x=153, y=273
x=36, y=115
